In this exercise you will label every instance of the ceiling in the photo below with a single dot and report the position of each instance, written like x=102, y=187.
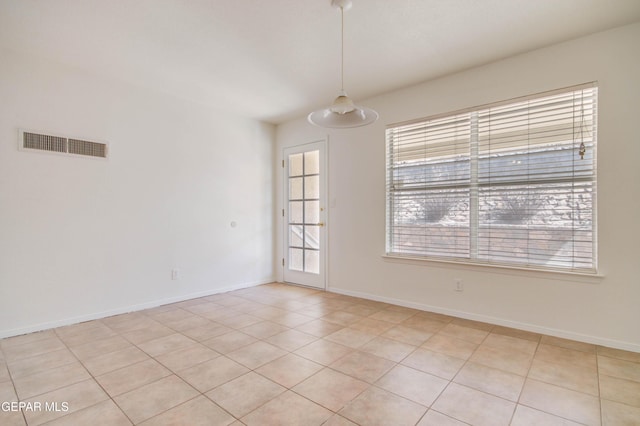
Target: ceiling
x=280, y=59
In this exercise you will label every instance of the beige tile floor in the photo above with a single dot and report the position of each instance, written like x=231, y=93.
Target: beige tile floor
x=285, y=355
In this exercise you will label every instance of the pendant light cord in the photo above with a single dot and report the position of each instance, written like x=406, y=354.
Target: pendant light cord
x=342, y=49
x=339, y=114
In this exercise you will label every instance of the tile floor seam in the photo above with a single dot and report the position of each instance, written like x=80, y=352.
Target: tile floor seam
x=552, y=414
x=484, y=392
x=319, y=403
x=66, y=384
x=622, y=380
x=112, y=397
x=524, y=384
x=198, y=394
x=515, y=404
x=422, y=417
x=239, y=347
x=526, y=377
x=599, y=390
x=76, y=338
x=562, y=386
x=369, y=385
x=349, y=375
x=405, y=357
x=186, y=368
x=291, y=389
x=533, y=357
x=466, y=361
x=75, y=382
x=189, y=400
x=446, y=415
x=449, y=382
x=620, y=402
x=13, y=385
x=217, y=385
x=440, y=396
x=428, y=407
x=232, y=415
x=373, y=385
x=115, y=403
x=122, y=368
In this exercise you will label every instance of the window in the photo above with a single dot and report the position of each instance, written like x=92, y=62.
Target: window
x=512, y=183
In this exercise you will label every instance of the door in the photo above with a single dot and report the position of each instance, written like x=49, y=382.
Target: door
x=305, y=214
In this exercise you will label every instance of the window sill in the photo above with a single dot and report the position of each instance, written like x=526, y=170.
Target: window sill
x=583, y=277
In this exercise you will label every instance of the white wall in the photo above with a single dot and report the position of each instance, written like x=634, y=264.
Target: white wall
x=598, y=310
x=82, y=238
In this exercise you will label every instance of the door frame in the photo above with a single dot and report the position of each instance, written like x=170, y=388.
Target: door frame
x=296, y=277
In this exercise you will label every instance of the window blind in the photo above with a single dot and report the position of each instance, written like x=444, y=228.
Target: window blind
x=509, y=183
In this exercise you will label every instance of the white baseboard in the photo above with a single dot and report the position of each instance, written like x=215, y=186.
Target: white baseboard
x=126, y=309
x=627, y=346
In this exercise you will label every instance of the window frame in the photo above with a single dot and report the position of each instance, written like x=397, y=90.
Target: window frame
x=474, y=225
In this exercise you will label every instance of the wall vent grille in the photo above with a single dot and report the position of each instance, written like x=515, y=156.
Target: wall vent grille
x=61, y=144
x=93, y=149
x=44, y=142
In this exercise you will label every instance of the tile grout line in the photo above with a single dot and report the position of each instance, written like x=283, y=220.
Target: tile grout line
x=599, y=390
x=556, y=385
x=171, y=323
x=13, y=384
x=222, y=384
x=324, y=367
x=457, y=373
x=258, y=373
x=199, y=393
x=175, y=373
x=93, y=379
x=533, y=357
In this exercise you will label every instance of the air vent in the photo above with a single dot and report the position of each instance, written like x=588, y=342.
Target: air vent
x=42, y=142
x=93, y=149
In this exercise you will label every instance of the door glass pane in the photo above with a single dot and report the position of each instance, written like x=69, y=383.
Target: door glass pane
x=295, y=165
x=295, y=235
x=303, y=232
x=295, y=259
x=311, y=187
x=295, y=212
x=312, y=212
x=312, y=236
x=312, y=162
x=311, y=261
x=295, y=188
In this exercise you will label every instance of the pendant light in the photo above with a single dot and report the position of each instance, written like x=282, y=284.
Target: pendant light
x=343, y=113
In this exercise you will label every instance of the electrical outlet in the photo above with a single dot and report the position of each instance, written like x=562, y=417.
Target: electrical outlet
x=175, y=274
x=459, y=286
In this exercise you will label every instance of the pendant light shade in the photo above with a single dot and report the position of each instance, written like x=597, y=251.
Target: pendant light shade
x=343, y=113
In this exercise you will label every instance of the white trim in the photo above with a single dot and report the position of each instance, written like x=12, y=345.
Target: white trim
x=125, y=310
x=554, y=274
x=602, y=341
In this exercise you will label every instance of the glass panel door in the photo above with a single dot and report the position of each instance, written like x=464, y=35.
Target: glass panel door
x=304, y=214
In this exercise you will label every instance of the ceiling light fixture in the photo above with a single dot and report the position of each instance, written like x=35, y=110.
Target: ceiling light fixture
x=343, y=113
